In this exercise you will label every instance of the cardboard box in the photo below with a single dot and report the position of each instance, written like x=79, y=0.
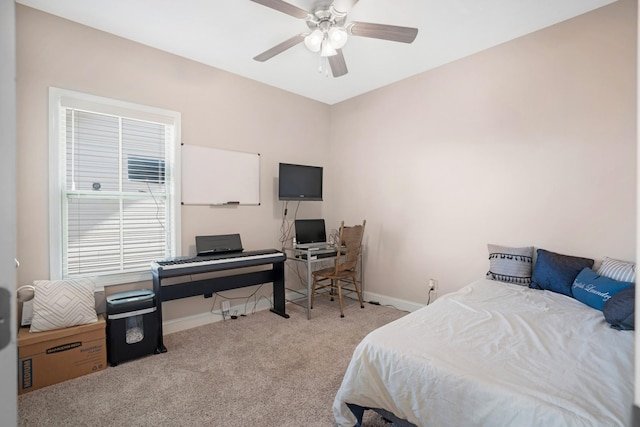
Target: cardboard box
x=46, y=358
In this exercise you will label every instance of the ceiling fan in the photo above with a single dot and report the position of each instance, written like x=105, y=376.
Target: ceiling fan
x=329, y=31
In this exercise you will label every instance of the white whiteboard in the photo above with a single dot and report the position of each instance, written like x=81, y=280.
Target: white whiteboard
x=212, y=176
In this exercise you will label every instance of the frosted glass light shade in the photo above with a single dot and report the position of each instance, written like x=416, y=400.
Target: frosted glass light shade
x=338, y=37
x=314, y=40
x=327, y=48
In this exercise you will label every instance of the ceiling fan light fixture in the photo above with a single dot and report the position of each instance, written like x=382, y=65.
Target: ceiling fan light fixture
x=314, y=40
x=329, y=32
x=338, y=37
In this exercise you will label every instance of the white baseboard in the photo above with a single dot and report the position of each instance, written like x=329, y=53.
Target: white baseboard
x=400, y=304
x=188, y=322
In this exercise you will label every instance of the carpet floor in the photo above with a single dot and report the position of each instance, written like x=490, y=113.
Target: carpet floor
x=257, y=370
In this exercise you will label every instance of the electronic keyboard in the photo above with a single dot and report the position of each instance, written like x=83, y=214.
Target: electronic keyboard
x=182, y=266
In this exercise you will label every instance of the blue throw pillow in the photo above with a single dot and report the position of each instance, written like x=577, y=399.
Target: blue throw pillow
x=556, y=272
x=619, y=311
x=594, y=290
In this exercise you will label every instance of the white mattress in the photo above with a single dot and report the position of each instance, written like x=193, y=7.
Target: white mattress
x=494, y=354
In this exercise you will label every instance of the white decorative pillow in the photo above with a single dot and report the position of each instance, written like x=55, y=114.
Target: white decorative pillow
x=63, y=303
x=511, y=265
x=621, y=271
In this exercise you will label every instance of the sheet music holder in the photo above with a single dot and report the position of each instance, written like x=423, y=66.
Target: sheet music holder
x=218, y=244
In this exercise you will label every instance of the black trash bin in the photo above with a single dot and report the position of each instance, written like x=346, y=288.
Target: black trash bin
x=132, y=325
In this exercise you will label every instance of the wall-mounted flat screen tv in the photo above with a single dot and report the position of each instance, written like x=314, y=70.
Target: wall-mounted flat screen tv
x=299, y=182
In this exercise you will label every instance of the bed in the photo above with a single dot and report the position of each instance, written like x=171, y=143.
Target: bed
x=493, y=354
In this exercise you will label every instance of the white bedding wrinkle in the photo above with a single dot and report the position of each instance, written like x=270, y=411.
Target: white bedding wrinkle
x=494, y=354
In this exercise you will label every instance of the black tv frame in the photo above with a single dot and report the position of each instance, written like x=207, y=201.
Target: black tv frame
x=299, y=182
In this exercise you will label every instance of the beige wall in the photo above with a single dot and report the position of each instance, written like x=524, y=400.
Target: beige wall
x=528, y=143
x=218, y=109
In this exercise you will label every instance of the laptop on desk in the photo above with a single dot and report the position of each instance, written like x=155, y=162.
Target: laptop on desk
x=311, y=233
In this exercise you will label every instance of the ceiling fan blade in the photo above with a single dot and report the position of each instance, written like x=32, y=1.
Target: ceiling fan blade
x=344, y=6
x=382, y=31
x=279, y=48
x=284, y=7
x=338, y=66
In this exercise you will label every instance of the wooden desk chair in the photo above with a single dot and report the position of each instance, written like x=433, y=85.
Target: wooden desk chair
x=342, y=277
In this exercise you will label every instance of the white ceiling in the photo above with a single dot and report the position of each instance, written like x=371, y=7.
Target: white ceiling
x=227, y=34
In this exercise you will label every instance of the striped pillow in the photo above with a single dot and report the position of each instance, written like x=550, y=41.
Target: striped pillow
x=617, y=270
x=62, y=303
x=511, y=265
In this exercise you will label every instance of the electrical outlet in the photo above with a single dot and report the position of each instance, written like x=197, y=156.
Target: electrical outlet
x=433, y=291
x=433, y=285
x=225, y=306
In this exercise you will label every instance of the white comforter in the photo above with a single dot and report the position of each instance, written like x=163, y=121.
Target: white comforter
x=494, y=354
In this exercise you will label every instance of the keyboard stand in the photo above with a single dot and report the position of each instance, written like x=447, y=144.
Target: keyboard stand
x=207, y=287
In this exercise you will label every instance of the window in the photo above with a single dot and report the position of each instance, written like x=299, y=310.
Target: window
x=114, y=202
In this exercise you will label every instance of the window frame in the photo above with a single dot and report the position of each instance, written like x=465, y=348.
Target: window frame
x=60, y=99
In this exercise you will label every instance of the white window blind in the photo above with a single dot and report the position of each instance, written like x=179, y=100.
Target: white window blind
x=117, y=192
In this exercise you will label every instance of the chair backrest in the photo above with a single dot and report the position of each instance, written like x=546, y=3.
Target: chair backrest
x=351, y=239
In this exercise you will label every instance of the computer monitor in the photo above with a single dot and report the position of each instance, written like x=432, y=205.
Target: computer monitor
x=310, y=231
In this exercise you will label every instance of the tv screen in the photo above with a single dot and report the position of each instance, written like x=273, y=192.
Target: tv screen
x=299, y=182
